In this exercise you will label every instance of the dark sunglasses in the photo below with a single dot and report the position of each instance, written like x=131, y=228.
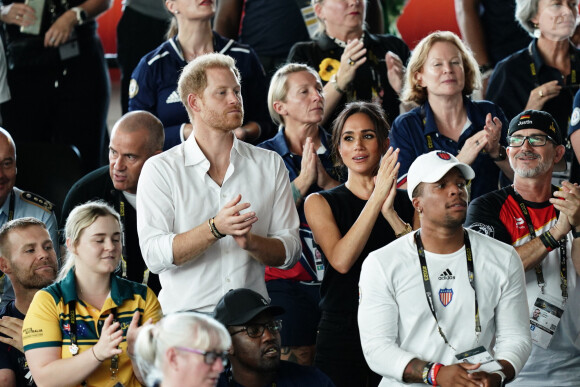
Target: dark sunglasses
x=257, y=330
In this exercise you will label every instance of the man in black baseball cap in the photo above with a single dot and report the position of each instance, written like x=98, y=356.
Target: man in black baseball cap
x=255, y=353
x=536, y=119
x=542, y=222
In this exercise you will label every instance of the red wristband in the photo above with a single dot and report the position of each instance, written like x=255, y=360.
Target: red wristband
x=434, y=371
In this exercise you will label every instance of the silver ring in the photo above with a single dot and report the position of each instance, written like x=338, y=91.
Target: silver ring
x=52, y=40
x=476, y=142
x=18, y=17
x=351, y=62
x=541, y=93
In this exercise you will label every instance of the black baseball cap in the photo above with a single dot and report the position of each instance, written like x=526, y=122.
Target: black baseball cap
x=536, y=119
x=239, y=306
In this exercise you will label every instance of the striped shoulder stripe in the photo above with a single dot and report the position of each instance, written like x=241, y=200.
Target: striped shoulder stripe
x=43, y=344
x=130, y=313
x=156, y=57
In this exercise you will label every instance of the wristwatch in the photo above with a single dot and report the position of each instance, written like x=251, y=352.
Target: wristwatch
x=502, y=154
x=81, y=14
x=502, y=376
x=334, y=83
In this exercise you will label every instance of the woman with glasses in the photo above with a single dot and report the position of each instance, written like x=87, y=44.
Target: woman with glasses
x=80, y=330
x=182, y=350
x=348, y=222
x=441, y=75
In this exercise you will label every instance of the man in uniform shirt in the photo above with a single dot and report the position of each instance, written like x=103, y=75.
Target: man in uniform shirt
x=15, y=203
x=543, y=223
x=137, y=136
x=213, y=211
x=437, y=303
x=28, y=257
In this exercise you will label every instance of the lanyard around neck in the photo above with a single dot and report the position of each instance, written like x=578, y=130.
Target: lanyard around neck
x=74, y=348
x=124, y=256
x=563, y=252
x=534, y=71
x=427, y=281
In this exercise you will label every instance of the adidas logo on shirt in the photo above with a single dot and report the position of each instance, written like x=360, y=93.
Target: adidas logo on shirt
x=446, y=275
x=173, y=97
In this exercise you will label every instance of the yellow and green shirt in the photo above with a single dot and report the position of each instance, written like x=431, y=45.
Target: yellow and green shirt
x=47, y=322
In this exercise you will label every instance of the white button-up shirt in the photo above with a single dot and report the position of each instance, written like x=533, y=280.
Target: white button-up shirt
x=176, y=194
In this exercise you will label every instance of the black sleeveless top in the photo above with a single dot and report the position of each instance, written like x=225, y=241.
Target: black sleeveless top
x=339, y=292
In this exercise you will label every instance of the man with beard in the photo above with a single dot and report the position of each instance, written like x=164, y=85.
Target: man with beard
x=255, y=352
x=543, y=223
x=443, y=305
x=213, y=211
x=15, y=203
x=135, y=137
x=28, y=257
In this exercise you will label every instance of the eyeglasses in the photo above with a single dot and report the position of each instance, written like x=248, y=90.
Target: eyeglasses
x=534, y=140
x=257, y=330
x=209, y=357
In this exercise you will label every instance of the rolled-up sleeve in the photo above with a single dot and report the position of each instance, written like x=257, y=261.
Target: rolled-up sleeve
x=155, y=217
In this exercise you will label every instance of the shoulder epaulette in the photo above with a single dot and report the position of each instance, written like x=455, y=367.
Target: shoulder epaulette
x=37, y=200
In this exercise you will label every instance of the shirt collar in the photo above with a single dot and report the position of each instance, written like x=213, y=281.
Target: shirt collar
x=279, y=143
x=427, y=113
x=535, y=55
x=120, y=290
x=326, y=43
x=193, y=154
x=6, y=206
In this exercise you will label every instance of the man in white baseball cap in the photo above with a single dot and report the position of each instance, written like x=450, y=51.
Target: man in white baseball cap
x=434, y=301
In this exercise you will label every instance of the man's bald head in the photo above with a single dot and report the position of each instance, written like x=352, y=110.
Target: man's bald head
x=7, y=165
x=135, y=137
x=141, y=120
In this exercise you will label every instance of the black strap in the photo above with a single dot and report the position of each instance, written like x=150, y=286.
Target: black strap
x=74, y=343
x=563, y=252
x=124, y=256
x=534, y=72
x=427, y=281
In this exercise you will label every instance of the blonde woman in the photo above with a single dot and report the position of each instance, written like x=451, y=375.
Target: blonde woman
x=75, y=332
x=441, y=75
x=182, y=350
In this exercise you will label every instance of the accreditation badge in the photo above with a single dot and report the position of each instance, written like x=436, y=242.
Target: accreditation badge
x=482, y=356
x=545, y=316
x=310, y=20
x=70, y=49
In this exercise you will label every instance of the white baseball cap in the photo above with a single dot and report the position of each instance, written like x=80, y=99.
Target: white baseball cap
x=431, y=167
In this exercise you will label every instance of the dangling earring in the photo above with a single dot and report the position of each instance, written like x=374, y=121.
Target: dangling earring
x=537, y=32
